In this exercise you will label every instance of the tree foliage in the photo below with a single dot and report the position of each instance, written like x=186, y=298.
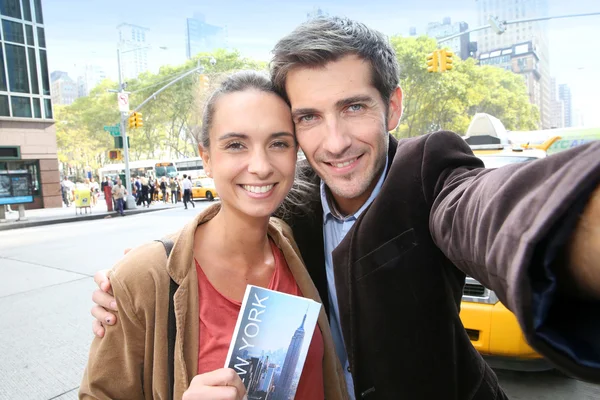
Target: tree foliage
x=173, y=119
x=449, y=100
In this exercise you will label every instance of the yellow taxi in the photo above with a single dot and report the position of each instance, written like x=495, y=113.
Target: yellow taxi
x=204, y=188
x=492, y=328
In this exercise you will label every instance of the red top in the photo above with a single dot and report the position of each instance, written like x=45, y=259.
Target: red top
x=218, y=316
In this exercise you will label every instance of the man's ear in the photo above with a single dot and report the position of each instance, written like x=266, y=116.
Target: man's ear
x=205, y=155
x=394, y=109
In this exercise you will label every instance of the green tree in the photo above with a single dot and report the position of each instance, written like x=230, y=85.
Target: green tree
x=171, y=120
x=448, y=100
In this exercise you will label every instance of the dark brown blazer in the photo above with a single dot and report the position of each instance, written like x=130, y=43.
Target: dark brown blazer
x=401, y=269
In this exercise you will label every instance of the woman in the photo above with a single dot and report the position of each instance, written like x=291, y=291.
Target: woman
x=249, y=149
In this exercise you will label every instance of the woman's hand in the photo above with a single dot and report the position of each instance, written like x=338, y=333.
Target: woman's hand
x=220, y=384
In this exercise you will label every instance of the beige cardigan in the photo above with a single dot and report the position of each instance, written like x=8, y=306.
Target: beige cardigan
x=130, y=362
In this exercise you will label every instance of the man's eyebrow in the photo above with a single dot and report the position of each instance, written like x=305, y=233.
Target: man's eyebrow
x=339, y=104
x=232, y=135
x=354, y=99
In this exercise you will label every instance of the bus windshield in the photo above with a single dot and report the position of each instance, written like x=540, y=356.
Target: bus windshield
x=165, y=170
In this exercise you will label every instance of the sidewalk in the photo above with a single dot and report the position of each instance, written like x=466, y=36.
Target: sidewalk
x=49, y=216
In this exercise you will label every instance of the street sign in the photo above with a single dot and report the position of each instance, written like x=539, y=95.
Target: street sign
x=123, y=100
x=114, y=130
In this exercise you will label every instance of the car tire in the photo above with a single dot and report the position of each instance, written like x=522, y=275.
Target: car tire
x=210, y=196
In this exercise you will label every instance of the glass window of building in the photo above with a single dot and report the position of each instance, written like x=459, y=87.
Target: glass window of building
x=2, y=75
x=4, y=110
x=37, y=110
x=41, y=37
x=48, y=108
x=16, y=62
x=35, y=88
x=26, y=10
x=29, y=35
x=13, y=31
x=38, y=11
x=45, y=78
x=21, y=106
x=11, y=8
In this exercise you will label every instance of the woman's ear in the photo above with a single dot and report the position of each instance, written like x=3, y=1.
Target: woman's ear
x=205, y=155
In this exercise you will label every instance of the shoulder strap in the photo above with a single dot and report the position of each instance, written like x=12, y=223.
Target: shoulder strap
x=172, y=324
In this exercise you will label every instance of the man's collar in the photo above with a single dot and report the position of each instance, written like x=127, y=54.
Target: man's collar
x=328, y=203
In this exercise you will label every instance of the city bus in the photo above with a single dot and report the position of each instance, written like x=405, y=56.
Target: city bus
x=154, y=169
x=193, y=167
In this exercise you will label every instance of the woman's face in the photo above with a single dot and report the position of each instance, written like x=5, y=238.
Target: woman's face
x=252, y=155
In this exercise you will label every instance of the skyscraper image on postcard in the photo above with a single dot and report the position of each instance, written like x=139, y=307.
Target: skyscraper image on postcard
x=271, y=341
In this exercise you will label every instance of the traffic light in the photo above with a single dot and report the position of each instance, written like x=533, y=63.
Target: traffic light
x=115, y=155
x=119, y=142
x=446, y=60
x=138, y=119
x=433, y=61
x=204, y=81
x=132, y=121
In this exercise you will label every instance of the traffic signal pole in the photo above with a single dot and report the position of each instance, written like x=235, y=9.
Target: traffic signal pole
x=130, y=198
x=125, y=116
x=500, y=26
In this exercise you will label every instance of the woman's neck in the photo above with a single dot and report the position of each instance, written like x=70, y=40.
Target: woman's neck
x=238, y=237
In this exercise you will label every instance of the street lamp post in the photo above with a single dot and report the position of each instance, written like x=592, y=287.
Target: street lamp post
x=130, y=198
x=125, y=114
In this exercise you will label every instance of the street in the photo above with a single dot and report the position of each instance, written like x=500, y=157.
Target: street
x=46, y=281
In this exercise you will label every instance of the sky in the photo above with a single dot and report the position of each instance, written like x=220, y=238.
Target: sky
x=84, y=31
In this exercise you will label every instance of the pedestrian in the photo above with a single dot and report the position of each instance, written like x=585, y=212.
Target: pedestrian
x=65, y=189
x=187, y=191
x=179, y=190
x=119, y=192
x=151, y=189
x=145, y=200
x=396, y=226
x=163, y=189
x=235, y=243
x=191, y=198
x=95, y=191
x=173, y=188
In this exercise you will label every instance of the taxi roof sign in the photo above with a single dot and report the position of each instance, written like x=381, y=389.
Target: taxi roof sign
x=486, y=131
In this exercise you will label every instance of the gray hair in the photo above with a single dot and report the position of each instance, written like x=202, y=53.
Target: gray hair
x=322, y=40
x=303, y=190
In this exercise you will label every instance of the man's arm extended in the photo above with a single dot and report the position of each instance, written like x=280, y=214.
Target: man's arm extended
x=529, y=232
x=583, y=253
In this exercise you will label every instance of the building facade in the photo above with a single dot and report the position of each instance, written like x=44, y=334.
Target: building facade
x=521, y=59
x=27, y=132
x=459, y=45
x=534, y=32
x=134, y=45
x=557, y=111
x=64, y=89
x=91, y=76
x=202, y=37
x=316, y=12
x=564, y=95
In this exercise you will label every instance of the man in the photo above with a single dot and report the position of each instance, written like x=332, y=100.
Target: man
x=187, y=191
x=402, y=222
x=163, y=189
x=119, y=192
x=65, y=187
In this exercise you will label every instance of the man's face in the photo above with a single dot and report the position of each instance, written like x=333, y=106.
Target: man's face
x=341, y=125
